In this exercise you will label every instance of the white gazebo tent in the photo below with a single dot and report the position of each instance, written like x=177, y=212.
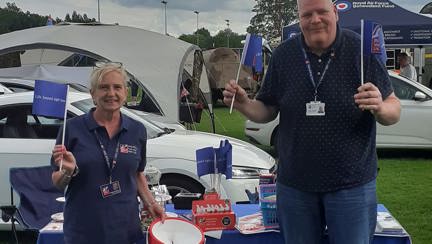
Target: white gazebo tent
x=157, y=61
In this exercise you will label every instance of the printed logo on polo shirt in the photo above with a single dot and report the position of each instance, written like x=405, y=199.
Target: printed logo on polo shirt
x=105, y=191
x=125, y=148
x=343, y=6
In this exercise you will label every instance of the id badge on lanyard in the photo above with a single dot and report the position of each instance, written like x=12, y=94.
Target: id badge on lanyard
x=315, y=108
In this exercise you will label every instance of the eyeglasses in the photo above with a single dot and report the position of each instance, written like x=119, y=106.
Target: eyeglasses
x=101, y=64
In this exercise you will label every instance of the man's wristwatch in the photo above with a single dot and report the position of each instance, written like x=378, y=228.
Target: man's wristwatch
x=65, y=173
x=76, y=171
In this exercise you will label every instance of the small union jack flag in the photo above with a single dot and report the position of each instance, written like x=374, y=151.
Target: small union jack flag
x=105, y=191
x=124, y=149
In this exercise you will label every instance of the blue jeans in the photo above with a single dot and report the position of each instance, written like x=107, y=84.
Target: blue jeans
x=349, y=214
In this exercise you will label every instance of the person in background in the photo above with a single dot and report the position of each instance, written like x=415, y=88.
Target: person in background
x=102, y=163
x=406, y=69
x=184, y=90
x=327, y=156
x=134, y=94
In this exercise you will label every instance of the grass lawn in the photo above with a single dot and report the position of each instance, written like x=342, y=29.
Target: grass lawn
x=404, y=183
x=404, y=186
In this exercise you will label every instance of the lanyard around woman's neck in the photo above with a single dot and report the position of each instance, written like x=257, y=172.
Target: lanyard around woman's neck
x=112, y=165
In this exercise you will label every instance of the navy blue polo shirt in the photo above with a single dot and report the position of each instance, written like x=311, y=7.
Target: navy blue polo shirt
x=331, y=152
x=90, y=218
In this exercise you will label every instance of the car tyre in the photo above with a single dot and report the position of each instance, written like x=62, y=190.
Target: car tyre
x=178, y=183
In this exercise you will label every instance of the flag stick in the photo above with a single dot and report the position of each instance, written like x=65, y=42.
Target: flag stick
x=243, y=56
x=361, y=50
x=219, y=179
x=236, y=81
x=215, y=169
x=64, y=123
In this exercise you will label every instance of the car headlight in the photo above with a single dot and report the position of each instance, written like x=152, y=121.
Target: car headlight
x=247, y=173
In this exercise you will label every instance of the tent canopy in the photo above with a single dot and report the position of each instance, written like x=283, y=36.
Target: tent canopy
x=157, y=61
x=402, y=28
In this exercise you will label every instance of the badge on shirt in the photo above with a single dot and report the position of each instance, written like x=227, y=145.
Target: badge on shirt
x=315, y=108
x=110, y=189
x=125, y=148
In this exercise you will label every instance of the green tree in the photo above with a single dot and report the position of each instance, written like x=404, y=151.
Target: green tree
x=68, y=18
x=13, y=18
x=271, y=16
x=85, y=18
x=188, y=38
x=222, y=38
x=205, y=40
x=12, y=7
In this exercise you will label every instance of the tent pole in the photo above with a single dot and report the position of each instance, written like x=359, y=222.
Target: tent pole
x=420, y=65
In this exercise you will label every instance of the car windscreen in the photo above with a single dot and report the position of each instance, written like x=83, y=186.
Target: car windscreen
x=152, y=129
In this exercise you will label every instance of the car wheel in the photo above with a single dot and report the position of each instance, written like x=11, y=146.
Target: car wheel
x=178, y=183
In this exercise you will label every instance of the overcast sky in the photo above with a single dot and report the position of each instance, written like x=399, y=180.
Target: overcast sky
x=149, y=14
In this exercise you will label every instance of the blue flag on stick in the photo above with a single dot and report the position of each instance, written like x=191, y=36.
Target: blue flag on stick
x=215, y=160
x=373, y=39
x=224, y=159
x=49, y=99
x=252, y=52
x=205, y=161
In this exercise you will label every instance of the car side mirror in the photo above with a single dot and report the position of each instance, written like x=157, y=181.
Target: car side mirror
x=419, y=96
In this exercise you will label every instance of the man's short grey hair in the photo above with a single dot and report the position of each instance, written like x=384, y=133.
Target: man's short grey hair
x=331, y=1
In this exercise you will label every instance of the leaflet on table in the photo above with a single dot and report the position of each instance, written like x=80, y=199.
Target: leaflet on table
x=253, y=224
x=387, y=224
x=53, y=227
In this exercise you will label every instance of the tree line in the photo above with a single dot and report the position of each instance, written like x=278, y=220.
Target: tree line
x=268, y=21
x=12, y=18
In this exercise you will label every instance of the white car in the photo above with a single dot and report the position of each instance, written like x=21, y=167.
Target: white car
x=4, y=90
x=172, y=152
x=22, y=85
x=412, y=131
x=9, y=85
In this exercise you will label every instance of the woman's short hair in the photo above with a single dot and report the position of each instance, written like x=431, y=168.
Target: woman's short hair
x=103, y=68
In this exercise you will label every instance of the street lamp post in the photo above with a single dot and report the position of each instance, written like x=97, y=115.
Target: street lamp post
x=98, y=12
x=197, y=36
x=227, y=23
x=165, y=5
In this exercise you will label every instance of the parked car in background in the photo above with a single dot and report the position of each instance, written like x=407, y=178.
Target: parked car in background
x=9, y=85
x=172, y=152
x=23, y=85
x=4, y=90
x=412, y=131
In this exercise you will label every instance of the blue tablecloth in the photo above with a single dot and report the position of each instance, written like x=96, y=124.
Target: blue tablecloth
x=235, y=237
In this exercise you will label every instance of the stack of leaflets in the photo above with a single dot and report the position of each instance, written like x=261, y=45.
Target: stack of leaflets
x=252, y=224
x=387, y=224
